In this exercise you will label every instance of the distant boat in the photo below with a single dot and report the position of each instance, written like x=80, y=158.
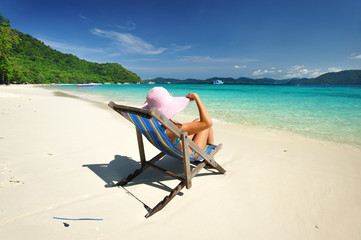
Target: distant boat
x=151, y=82
x=89, y=85
x=217, y=82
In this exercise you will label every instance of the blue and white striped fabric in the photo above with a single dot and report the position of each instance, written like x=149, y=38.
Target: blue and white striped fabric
x=155, y=134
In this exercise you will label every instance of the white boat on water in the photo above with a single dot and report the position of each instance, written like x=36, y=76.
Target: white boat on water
x=217, y=82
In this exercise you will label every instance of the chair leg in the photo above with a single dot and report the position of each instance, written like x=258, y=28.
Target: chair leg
x=166, y=200
x=131, y=176
x=215, y=165
x=186, y=161
x=161, y=204
x=140, y=146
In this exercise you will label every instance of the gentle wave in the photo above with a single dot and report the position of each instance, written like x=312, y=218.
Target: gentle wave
x=326, y=112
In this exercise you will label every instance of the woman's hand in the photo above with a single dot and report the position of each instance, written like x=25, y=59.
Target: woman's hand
x=192, y=96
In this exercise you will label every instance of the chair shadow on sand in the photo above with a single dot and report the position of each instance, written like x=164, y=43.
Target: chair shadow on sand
x=119, y=168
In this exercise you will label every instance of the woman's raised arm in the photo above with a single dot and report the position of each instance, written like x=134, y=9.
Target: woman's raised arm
x=205, y=120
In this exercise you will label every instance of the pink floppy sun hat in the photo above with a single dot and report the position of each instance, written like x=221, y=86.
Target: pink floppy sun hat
x=159, y=98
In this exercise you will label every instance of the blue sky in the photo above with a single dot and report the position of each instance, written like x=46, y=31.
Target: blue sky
x=198, y=38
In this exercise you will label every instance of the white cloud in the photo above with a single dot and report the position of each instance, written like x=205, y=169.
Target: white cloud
x=83, y=17
x=355, y=56
x=334, y=69
x=208, y=59
x=297, y=67
x=201, y=59
x=177, y=48
x=67, y=48
x=272, y=71
x=129, y=43
x=316, y=73
x=259, y=72
x=240, y=67
x=300, y=71
x=129, y=25
x=297, y=71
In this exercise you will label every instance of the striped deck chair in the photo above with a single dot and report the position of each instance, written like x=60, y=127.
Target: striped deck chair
x=151, y=124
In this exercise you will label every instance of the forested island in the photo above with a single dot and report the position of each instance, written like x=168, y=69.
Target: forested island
x=348, y=77
x=24, y=59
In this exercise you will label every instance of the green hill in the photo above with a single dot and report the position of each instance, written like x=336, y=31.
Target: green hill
x=34, y=62
x=348, y=77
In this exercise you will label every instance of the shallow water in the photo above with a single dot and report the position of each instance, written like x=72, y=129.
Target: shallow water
x=326, y=112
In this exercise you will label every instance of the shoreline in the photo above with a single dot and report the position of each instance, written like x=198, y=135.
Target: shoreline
x=183, y=117
x=59, y=155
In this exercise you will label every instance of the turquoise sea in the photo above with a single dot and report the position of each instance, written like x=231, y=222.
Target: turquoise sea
x=325, y=112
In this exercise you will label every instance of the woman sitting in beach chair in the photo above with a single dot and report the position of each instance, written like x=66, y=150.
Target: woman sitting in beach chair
x=200, y=130
x=190, y=142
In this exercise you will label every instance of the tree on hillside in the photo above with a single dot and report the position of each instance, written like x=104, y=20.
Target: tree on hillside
x=25, y=59
x=7, y=39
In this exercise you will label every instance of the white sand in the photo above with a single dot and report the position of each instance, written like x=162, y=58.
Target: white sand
x=58, y=154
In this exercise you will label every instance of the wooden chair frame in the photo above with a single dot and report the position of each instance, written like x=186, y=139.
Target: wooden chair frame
x=185, y=181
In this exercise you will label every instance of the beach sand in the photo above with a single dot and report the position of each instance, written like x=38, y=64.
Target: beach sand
x=59, y=156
